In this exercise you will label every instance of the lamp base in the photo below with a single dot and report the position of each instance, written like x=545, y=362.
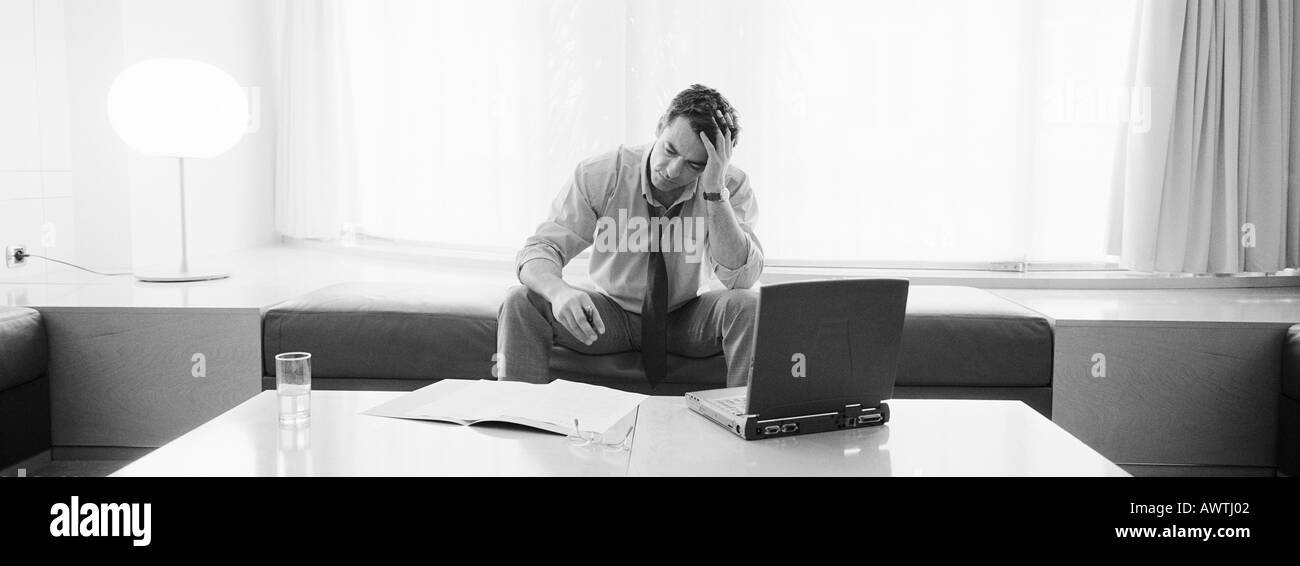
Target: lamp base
x=180, y=276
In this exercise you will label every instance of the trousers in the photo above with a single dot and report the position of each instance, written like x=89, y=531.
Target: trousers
x=717, y=321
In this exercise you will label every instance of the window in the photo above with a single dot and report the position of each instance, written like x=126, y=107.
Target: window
x=971, y=132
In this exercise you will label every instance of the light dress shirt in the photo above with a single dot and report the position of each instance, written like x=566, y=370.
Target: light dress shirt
x=607, y=206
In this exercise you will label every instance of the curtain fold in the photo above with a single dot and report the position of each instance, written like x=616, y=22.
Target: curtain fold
x=316, y=192
x=1210, y=187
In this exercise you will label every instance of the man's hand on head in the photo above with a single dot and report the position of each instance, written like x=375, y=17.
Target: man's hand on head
x=715, y=171
x=575, y=311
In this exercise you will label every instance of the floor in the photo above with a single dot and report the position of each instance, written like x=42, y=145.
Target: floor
x=43, y=466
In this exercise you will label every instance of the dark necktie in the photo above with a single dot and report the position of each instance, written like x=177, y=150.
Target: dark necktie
x=654, y=315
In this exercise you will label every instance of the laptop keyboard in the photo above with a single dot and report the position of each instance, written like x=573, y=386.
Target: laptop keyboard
x=734, y=404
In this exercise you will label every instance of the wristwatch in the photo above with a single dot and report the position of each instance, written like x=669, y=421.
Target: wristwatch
x=724, y=195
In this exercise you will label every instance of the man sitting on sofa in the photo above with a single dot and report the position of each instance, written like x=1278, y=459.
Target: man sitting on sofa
x=660, y=218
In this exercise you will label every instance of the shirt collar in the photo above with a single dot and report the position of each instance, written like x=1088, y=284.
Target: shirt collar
x=646, y=193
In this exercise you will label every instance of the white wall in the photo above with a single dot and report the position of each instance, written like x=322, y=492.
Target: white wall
x=36, y=200
x=99, y=175
x=69, y=188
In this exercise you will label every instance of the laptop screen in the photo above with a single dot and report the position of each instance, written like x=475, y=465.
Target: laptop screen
x=822, y=345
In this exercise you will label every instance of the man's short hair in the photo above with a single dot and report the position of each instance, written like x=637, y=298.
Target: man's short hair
x=699, y=105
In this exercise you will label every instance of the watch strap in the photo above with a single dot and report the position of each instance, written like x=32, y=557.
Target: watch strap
x=721, y=195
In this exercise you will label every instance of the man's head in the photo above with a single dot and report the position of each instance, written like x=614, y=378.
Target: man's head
x=678, y=156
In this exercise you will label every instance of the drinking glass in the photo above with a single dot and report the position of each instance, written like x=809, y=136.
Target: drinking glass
x=293, y=386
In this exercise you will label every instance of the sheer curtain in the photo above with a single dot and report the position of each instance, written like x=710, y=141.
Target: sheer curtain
x=1212, y=186
x=316, y=149
x=471, y=114
x=876, y=131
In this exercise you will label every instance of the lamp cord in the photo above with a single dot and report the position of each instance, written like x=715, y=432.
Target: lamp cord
x=21, y=255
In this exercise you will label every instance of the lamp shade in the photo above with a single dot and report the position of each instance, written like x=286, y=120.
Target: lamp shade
x=177, y=108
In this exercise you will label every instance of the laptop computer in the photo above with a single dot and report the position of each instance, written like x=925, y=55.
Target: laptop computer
x=825, y=359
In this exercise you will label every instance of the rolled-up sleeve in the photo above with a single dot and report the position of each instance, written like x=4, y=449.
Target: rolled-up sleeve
x=746, y=208
x=568, y=229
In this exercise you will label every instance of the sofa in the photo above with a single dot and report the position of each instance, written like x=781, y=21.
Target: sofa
x=958, y=342
x=24, y=385
x=1288, y=438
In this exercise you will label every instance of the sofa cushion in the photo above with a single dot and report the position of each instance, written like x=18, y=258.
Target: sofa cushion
x=431, y=331
x=1291, y=363
x=24, y=352
x=953, y=336
x=963, y=336
x=388, y=330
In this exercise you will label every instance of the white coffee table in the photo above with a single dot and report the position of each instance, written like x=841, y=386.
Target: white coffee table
x=340, y=441
x=924, y=437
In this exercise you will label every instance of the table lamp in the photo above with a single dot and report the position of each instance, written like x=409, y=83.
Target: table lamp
x=183, y=109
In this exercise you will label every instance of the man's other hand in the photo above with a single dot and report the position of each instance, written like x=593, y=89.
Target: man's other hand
x=575, y=311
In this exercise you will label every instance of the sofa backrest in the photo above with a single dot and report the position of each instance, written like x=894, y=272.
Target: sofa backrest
x=24, y=349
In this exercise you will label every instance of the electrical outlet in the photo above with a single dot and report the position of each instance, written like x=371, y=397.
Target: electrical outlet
x=11, y=256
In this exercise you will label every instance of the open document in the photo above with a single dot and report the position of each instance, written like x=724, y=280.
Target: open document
x=552, y=407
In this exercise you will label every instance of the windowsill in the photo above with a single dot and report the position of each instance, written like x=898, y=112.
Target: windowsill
x=490, y=259
x=1103, y=279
